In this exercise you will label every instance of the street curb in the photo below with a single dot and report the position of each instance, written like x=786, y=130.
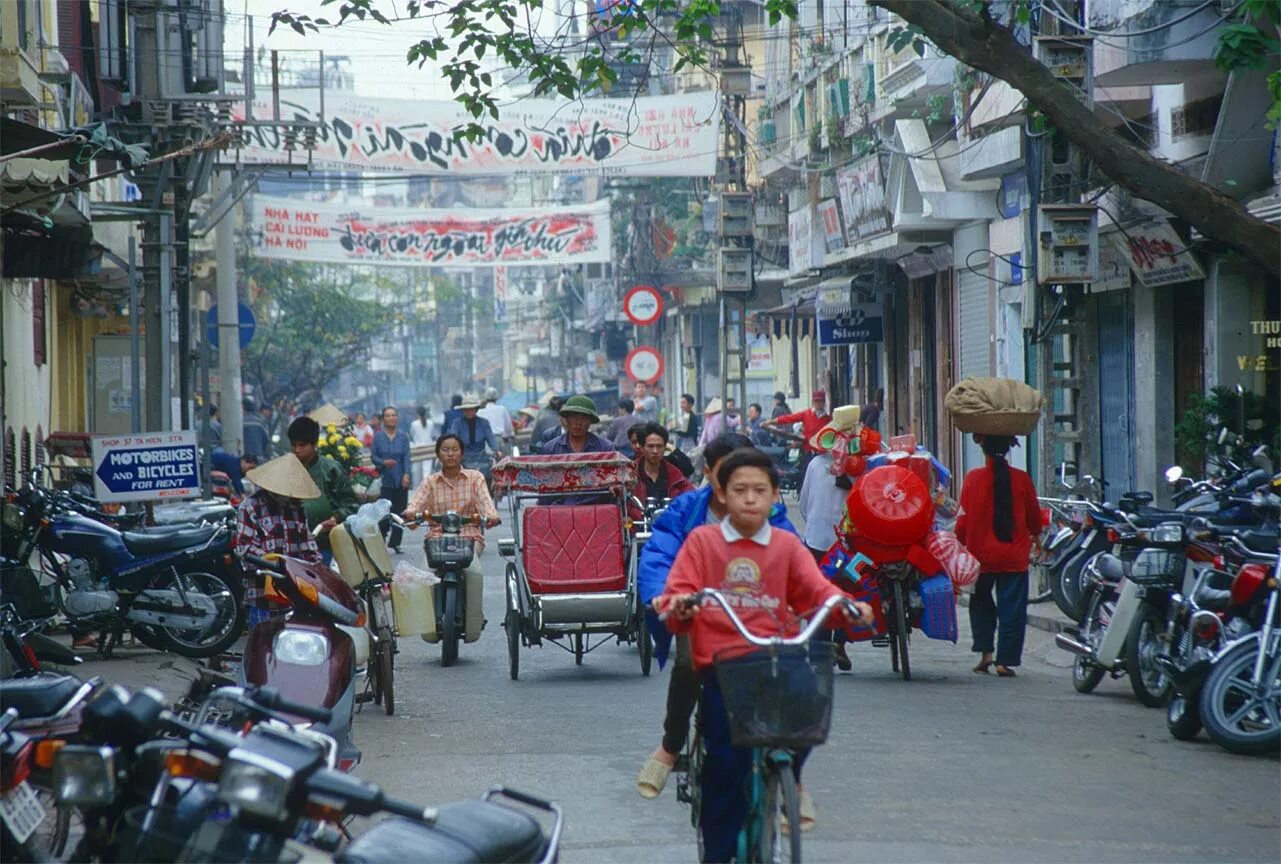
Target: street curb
x=1051, y=620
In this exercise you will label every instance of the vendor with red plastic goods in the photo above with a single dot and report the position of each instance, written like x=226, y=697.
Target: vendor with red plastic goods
x=812, y=420
x=770, y=577
x=999, y=522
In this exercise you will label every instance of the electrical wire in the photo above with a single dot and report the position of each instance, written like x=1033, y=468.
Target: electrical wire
x=1056, y=11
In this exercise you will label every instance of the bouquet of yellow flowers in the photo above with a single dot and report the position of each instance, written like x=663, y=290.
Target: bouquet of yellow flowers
x=339, y=444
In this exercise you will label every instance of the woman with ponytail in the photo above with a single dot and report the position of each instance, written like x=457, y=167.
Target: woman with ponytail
x=999, y=521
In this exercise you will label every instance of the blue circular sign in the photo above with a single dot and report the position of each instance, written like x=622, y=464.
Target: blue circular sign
x=245, y=327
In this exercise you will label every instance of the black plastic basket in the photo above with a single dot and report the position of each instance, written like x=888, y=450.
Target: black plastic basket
x=20, y=587
x=778, y=697
x=172, y=837
x=450, y=550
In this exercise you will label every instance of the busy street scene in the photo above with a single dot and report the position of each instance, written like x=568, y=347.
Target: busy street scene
x=640, y=431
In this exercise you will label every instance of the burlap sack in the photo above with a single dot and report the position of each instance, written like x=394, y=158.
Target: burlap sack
x=994, y=406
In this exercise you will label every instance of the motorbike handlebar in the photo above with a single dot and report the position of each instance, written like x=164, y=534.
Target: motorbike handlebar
x=270, y=698
x=262, y=563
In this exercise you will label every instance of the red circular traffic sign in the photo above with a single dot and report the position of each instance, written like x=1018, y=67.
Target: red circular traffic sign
x=643, y=305
x=644, y=364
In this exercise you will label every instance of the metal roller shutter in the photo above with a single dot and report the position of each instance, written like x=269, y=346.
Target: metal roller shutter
x=974, y=319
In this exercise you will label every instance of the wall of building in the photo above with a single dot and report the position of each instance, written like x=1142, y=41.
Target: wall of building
x=26, y=385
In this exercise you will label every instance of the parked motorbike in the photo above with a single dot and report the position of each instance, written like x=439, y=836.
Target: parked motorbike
x=176, y=590
x=304, y=653
x=457, y=596
x=268, y=793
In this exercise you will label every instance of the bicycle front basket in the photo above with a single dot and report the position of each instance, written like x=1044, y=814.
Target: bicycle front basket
x=778, y=697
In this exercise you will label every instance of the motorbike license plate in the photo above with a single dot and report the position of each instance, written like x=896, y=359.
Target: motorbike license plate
x=21, y=811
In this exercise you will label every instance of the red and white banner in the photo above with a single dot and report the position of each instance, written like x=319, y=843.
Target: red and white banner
x=650, y=136
x=294, y=230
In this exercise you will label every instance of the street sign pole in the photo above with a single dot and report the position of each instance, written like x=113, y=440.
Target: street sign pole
x=231, y=395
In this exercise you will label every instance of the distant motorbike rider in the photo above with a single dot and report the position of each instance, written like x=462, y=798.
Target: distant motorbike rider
x=476, y=435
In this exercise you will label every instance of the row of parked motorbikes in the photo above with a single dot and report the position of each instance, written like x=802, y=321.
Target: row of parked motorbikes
x=246, y=768
x=1184, y=602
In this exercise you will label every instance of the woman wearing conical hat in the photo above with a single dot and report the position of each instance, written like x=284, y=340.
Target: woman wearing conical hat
x=272, y=521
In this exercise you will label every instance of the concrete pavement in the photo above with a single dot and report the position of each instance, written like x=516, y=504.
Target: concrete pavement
x=951, y=766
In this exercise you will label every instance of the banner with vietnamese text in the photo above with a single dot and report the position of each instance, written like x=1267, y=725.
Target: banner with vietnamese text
x=650, y=136
x=294, y=230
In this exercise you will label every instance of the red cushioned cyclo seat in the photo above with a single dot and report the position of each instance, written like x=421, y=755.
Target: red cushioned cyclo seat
x=573, y=549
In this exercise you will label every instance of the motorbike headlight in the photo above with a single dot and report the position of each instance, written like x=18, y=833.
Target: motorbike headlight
x=255, y=785
x=1169, y=532
x=84, y=776
x=300, y=647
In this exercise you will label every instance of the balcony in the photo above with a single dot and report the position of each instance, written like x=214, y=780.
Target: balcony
x=1159, y=54
x=993, y=155
x=19, y=79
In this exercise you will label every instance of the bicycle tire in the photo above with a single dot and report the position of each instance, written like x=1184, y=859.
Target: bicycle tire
x=900, y=621
x=781, y=800
x=387, y=669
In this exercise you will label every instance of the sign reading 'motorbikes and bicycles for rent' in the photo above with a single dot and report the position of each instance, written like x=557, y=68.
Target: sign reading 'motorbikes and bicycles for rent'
x=145, y=467
x=650, y=136
x=305, y=231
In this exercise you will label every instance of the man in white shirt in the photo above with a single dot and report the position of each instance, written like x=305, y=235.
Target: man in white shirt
x=421, y=431
x=500, y=419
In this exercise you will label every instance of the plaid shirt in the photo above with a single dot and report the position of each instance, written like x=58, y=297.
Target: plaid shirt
x=262, y=528
x=467, y=496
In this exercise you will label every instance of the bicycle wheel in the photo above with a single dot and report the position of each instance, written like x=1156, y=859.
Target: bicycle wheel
x=900, y=623
x=781, y=800
x=386, y=668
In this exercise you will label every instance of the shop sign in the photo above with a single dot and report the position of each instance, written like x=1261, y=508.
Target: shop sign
x=833, y=234
x=803, y=253
x=862, y=191
x=760, y=357
x=145, y=467
x=841, y=322
x=1157, y=255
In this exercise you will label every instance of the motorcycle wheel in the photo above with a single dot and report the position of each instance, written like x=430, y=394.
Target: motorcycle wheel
x=900, y=620
x=1143, y=645
x=1066, y=585
x=449, y=625
x=1183, y=717
x=1086, y=674
x=1235, y=716
x=227, y=626
x=386, y=669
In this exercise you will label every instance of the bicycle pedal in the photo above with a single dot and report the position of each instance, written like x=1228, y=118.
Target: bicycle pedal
x=683, y=792
x=682, y=764
x=881, y=641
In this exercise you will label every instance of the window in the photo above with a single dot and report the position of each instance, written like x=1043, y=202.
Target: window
x=10, y=459
x=38, y=321
x=24, y=41
x=26, y=452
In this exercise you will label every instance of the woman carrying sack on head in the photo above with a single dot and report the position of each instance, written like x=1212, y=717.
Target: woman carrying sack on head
x=999, y=522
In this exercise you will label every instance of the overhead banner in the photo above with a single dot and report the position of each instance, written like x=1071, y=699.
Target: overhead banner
x=650, y=136
x=293, y=230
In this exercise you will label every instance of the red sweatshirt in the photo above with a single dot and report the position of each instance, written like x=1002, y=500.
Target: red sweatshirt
x=811, y=421
x=764, y=584
x=974, y=524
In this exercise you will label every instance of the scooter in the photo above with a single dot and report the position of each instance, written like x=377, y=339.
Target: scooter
x=457, y=597
x=305, y=654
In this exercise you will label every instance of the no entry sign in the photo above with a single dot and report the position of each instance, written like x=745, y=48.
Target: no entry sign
x=146, y=467
x=643, y=305
x=644, y=364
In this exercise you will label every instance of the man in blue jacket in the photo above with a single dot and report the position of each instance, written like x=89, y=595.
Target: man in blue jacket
x=677, y=522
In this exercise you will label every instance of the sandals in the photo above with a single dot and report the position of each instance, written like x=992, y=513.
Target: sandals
x=653, y=777
x=809, y=816
x=982, y=667
x=1005, y=672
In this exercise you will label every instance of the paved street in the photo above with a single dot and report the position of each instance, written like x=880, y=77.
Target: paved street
x=951, y=766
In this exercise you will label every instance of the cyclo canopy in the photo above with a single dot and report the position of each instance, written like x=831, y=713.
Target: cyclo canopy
x=568, y=472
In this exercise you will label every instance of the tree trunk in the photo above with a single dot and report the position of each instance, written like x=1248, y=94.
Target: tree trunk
x=992, y=48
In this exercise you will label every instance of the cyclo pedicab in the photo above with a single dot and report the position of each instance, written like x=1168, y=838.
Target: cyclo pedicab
x=571, y=574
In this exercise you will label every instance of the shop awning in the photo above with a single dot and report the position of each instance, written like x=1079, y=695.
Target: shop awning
x=794, y=317
x=78, y=146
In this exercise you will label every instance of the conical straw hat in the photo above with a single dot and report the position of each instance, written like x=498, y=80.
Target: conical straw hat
x=285, y=476
x=713, y=407
x=328, y=413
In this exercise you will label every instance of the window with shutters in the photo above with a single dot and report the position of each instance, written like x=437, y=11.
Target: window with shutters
x=10, y=459
x=26, y=452
x=38, y=322
x=40, y=452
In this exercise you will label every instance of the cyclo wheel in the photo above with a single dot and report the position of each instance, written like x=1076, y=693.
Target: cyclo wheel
x=449, y=624
x=781, y=800
x=386, y=668
x=511, y=623
x=900, y=620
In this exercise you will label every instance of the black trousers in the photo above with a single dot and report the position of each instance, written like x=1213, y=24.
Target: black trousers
x=682, y=696
x=399, y=498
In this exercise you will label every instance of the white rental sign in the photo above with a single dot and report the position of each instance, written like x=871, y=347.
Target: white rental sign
x=145, y=467
x=650, y=136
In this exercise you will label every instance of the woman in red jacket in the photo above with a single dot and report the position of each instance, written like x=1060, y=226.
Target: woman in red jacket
x=999, y=521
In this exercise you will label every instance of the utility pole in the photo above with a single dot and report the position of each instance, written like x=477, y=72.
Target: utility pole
x=735, y=282
x=230, y=396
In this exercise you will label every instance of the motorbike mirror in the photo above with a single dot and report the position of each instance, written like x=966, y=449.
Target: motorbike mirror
x=1173, y=474
x=1223, y=435
x=1261, y=458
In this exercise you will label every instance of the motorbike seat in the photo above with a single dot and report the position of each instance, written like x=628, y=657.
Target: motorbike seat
x=1150, y=517
x=468, y=831
x=38, y=695
x=1138, y=499
x=139, y=543
x=1261, y=540
x=1213, y=599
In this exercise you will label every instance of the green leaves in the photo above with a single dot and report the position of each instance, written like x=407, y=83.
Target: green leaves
x=1244, y=46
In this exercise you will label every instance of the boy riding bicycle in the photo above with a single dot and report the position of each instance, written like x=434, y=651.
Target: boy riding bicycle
x=768, y=575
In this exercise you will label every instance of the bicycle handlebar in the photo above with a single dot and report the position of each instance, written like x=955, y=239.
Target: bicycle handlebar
x=807, y=632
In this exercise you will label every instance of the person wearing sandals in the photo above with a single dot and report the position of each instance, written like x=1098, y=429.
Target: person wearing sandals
x=998, y=522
